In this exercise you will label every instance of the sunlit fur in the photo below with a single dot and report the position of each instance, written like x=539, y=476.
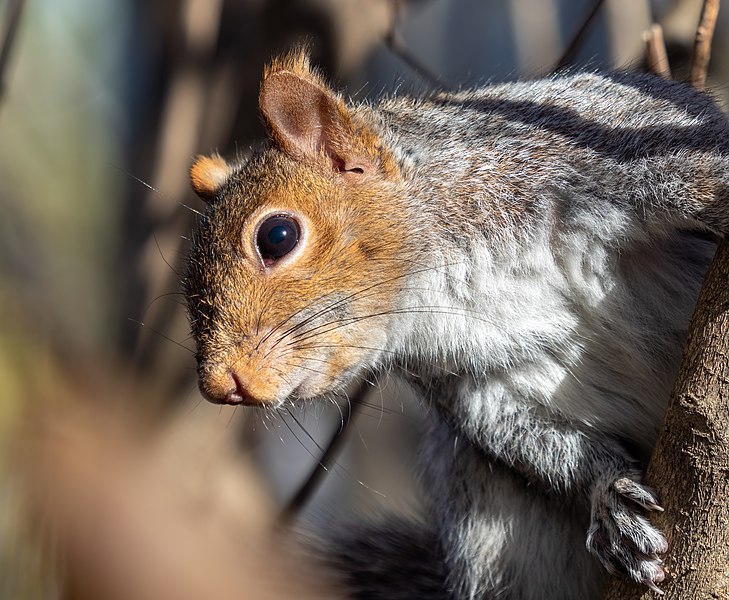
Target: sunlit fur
x=521, y=254
x=307, y=326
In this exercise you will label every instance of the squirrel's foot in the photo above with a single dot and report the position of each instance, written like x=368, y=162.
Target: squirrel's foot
x=621, y=537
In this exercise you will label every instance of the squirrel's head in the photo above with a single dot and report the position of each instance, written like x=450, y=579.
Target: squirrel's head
x=297, y=262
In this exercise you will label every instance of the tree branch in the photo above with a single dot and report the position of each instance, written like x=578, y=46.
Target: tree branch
x=393, y=42
x=690, y=464
x=579, y=37
x=328, y=457
x=656, y=51
x=702, y=45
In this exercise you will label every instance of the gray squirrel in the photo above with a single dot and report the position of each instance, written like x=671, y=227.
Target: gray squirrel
x=525, y=255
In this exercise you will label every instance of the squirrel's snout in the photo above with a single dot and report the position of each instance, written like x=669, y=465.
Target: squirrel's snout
x=260, y=371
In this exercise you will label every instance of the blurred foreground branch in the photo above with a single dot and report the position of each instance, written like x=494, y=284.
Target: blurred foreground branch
x=395, y=44
x=329, y=455
x=181, y=117
x=148, y=510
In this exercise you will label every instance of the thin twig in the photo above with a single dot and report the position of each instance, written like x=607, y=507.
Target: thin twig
x=15, y=10
x=574, y=45
x=328, y=457
x=702, y=44
x=399, y=49
x=393, y=42
x=656, y=51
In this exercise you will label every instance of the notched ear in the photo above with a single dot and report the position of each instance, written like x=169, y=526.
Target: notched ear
x=308, y=121
x=208, y=174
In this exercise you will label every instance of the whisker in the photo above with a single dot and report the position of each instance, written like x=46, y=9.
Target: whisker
x=137, y=179
x=149, y=186
x=300, y=366
x=232, y=414
x=354, y=295
x=443, y=310
x=342, y=424
x=328, y=458
x=381, y=409
x=159, y=249
x=162, y=335
x=192, y=210
x=298, y=439
x=165, y=295
x=294, y=348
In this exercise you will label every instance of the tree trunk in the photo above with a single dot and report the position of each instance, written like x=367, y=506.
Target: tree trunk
x=690, y=464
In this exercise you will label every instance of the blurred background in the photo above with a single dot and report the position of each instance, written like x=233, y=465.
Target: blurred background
x=103, y=106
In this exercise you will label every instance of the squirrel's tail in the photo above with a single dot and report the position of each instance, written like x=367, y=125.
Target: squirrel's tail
x=391, y=560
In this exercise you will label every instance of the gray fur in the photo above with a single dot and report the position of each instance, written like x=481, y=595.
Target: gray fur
x=560, y=230
x=551, y=209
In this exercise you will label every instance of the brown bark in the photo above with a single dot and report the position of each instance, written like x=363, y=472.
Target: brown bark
x=690, y=464
x=702, y=44
x=656, y=51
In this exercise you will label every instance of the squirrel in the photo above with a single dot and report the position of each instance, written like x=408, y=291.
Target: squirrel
x=526, y=255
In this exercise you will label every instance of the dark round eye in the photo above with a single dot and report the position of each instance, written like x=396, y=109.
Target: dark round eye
x=277, y=236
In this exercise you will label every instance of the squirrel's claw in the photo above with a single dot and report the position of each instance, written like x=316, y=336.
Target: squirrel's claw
x=640, y=494
x=622, y=538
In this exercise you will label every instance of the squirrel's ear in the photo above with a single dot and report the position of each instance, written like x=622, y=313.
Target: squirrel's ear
x=307, y=120
x=208, y=174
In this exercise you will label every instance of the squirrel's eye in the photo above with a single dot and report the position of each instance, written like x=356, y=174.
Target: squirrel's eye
x=277, y=236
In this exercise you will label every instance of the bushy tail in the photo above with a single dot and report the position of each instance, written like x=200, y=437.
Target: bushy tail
x=391, y=560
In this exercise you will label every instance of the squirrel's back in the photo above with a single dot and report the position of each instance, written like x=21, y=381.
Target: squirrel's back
x=500, y=148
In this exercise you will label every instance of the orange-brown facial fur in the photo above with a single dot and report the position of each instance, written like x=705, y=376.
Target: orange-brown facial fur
x=304, y=324
x=241, y=310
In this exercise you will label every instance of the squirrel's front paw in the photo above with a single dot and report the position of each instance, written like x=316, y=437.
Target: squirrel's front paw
x=621, y=537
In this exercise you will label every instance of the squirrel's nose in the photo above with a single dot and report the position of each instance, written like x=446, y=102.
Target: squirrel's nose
x=227, y=387
x=239, y=392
